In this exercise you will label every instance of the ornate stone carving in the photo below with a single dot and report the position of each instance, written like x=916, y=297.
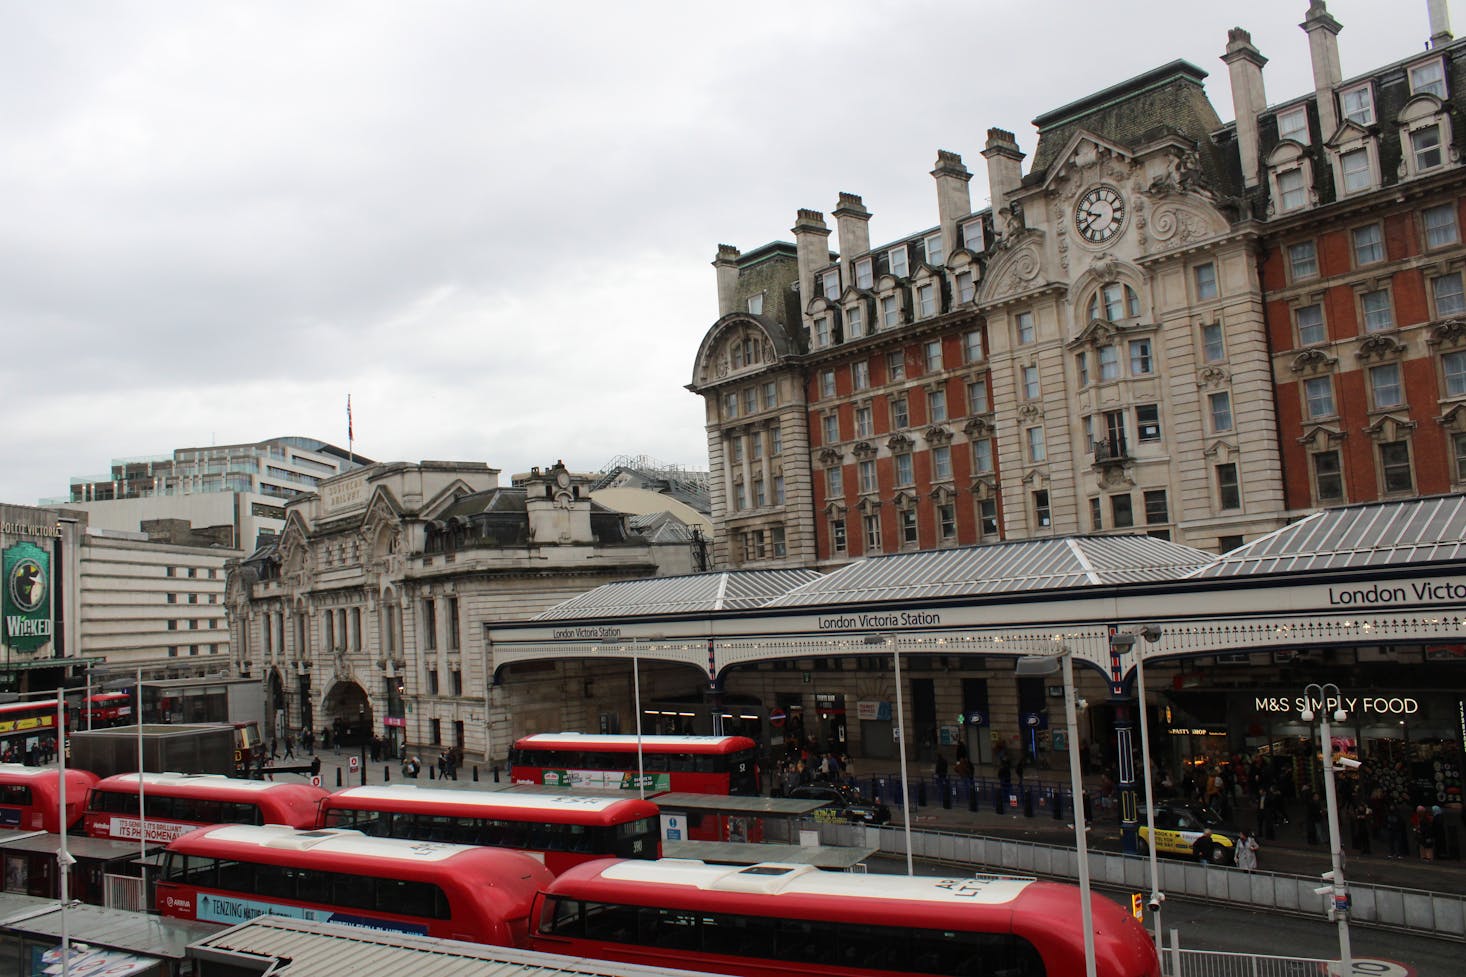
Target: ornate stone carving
x=980, y=427
x=1029, y=411
x=984, y=489
x=1320, y=437
x=1020, y=269
x=901, y=442
x=1313, y=361
x=937, y=434
x=1212, y=376
x=1113, y=475
x=1452, y=332
x=1178, y=226
x=1390, y=428
x=864, y=449
x=829, y=456
x=1381, y=346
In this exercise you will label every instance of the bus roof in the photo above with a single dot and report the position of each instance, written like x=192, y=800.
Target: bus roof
x=625, y=741
x=330, y=841
x=479, y=803
x=780, y=879
x=200, y=785
x=31, y=706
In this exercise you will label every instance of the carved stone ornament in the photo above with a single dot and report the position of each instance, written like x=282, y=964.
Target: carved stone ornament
x=1020, y=269
x=1313, y=361
x=901, y=442
x=942, y=493
x=1453, y=419
x=979, y=427
x=829, y=456
x=1452, y=332
x=864, y=449
x=868, y=505
x=1381, y=346
x=835, y=507
x=1029, y=412
x=937, y=434
x=1212, y=376
x=984, y=489
x=904, y=499
x=1106, y=268
x=1113, y=475
x=1178, y=226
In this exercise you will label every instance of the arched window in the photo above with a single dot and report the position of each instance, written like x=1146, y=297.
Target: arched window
x=1115, y=301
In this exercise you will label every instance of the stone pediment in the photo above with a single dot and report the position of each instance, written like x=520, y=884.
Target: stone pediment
x=901, y=442
x=864, y=449
x=937, y=434
x=942, y=494
x=829, y=456
x=1221, y=450
x=835, y=507
x=1390, y=427
x=1099, y=332
x=1348, y=132
x=904, y=499
x=868, y=505
x=984, y=489
x=1453, y=419
x=1321, y=437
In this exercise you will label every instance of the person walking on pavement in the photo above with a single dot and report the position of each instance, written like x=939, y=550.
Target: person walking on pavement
x=289, y=747
x=1245, y=853
x=1204, y=847
x=274, y=748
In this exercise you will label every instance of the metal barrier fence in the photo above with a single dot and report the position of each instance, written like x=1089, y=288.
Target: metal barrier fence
x=1212, y=963
x=125, y=892
x=1440, y=914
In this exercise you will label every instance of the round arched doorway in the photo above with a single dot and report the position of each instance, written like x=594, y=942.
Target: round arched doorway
x=347, y=713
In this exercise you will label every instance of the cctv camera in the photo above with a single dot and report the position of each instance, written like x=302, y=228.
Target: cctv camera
x=1154, y=905
x=1151, y=633
x=1346, y=763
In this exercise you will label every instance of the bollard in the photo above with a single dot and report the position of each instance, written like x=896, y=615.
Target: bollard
x=946, y=788
x=1088, y=808
x=338, y=776
x=475, y=773
x=431, y=774
x=386, y=774
x=496, y=775
x=997, y=800
x=1028, y=802
x=1058, y=804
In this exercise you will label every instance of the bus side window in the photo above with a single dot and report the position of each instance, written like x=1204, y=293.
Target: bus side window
x=353, y=891
x=311, y=886
x=614, y=924
x=562, y=917
x=236, y=876
x=274, y=880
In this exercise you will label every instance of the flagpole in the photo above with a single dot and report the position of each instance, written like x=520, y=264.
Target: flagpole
x=350, y=451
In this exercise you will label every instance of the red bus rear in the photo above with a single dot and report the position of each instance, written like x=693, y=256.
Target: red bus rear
x=559, y=830
x=694, y=764
x=231, y=873
x=174, y=804
x=24, y=725
x=776, y=920
x=106, y=709
x=30, y=797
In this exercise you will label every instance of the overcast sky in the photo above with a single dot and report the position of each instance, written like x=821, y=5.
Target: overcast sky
x=490, y=223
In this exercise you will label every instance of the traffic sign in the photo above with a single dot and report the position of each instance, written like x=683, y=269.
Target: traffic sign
x=354, y=762
x=1379, y=968
x=777, y=717
x=315, y=781
x=1137, y=905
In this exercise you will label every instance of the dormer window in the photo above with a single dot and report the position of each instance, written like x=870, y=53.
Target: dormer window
x=1293, y=124
x=1292, y=190
x=935, y=254
x=854, y=321
x=1115, y=301
x=1355, y=170
x=890, y=312
x=926, y=301
x=1425, y=145
x=965, y=284
x=1428, y=79
x=756, y=304
x=830, y=284
x=864, y=273
x=973, y=238
x=823, y=331
x=897, y=259
x=1357, y=105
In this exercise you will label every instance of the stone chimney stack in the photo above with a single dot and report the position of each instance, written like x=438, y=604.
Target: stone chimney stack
x=1440, y=23
x=811, y=238
x=1244, y=63
x=954, y=202
x=726, y=266
x=1323, y=49
x=852, y=222
x=1005, y=167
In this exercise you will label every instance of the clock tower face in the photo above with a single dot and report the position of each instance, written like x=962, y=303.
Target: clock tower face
x=1100, y=214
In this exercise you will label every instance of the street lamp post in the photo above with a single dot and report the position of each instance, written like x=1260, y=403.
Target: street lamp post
x=1324, y=699
x=889, y=641
x=1047, y=665
x=1152, y=634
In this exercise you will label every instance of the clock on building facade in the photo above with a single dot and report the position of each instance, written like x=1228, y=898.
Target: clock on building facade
x=1100, y=214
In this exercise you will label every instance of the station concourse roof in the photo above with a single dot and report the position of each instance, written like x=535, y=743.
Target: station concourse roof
x=1373, y=535
x=697, y=593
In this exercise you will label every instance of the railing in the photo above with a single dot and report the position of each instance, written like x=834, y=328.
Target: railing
x=1111, y=448
x=124, y=892
x=1176, y=962
x=1441, y=914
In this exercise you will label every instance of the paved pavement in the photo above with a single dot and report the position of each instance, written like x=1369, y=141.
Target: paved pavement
x=1289, y=852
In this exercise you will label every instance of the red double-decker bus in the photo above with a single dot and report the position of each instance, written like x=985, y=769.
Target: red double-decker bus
x=559, y=830
x=30, y=797
x=232, y=873
x=775, y=920
x=694, y=764
x=173, y=804
x=24, y=725
x=107, y=709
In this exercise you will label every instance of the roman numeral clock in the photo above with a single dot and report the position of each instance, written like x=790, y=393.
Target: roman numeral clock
x=1100, y=214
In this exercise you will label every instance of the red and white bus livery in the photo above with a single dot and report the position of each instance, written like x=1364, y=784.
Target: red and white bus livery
x=691, y=764
x=30, y=797
x=173, y=804
x=560, y=830
x=232, y=873
x=775, y=920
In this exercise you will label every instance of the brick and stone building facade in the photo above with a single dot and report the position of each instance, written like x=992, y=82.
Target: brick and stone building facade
x=1135, y=336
